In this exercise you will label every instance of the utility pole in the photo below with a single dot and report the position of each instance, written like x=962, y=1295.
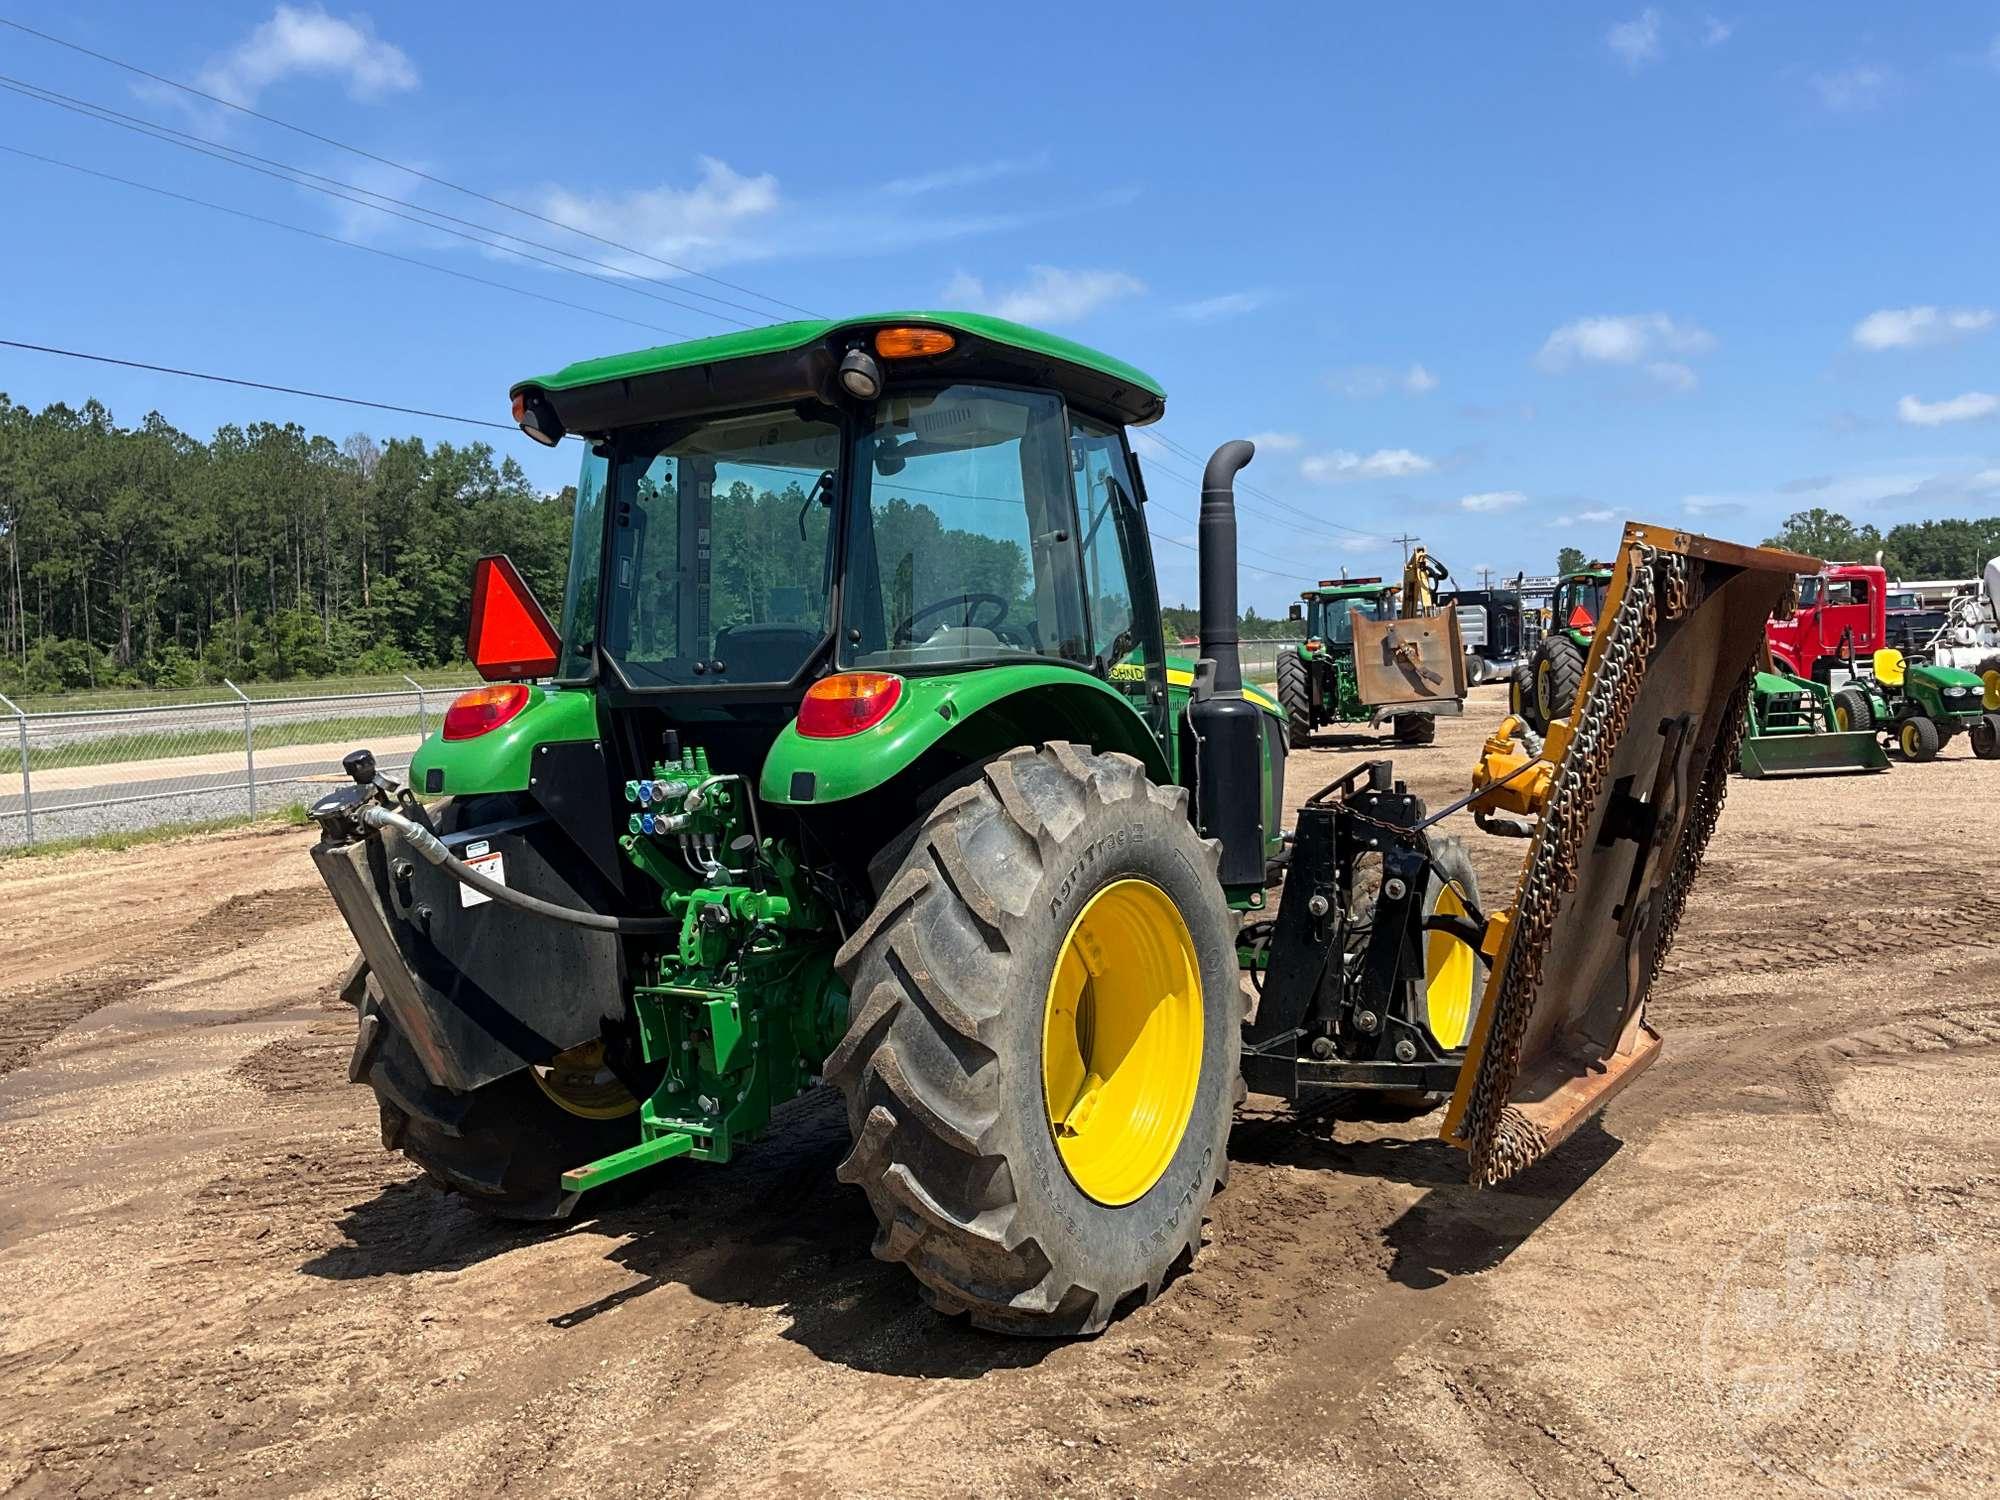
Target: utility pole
x=1406, y=540
x=1486, y=578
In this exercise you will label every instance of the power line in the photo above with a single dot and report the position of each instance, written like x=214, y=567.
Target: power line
x=334, y=239
x=255, y=385
x=327, y=140
x=1249, y=509
x=334, y=187
x=389, y=406
x=1198, y=461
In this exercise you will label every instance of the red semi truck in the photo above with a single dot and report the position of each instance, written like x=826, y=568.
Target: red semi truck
x=1842, y=617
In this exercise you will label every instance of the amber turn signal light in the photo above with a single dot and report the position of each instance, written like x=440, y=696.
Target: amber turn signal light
x=913, y=343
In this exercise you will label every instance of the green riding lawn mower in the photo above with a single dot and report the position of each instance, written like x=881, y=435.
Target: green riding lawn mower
x=1918, y=705
x=857, y=756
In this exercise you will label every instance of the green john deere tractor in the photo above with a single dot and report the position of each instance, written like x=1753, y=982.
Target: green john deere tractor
x=1543, y=688
x=1317, y=681
x=857, y=756
x=1919, y=705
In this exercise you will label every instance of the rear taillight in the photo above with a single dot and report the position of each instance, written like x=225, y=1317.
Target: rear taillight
x=848, y=703
x=483, y=710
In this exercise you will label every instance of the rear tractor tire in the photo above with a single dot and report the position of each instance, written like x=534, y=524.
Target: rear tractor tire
x=1416, y=729
x=1918, y=738
x=503, y=1147
x=1295, y=697
x=1558, y=667
x=1852, y=710
x=1043, y=1058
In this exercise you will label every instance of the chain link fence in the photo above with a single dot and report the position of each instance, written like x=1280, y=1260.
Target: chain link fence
x=1260, y=658
x=74, y=773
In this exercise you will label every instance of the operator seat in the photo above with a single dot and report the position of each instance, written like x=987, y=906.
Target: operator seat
x=764, y=653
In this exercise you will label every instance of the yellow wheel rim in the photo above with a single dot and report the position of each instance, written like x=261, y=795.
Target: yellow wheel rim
x=1544, y=697
x=1991, y=698
x=579, y=1082
x=1449, y=969
x=1908, y=736
x=1842, y=719
x=1122, y=1041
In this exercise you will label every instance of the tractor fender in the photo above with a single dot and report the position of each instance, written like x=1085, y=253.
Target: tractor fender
x=973, y=714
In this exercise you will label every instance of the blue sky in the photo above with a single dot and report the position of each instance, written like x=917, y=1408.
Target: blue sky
x=1496, y=276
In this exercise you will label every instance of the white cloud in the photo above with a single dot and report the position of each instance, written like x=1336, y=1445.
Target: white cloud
x=704, y=224
x=1050, y=295
x=967, y=174
x=1227, y=305
x=299, y=39
x=1715, y=31
x=1860, y=87
x=1584, y=518
x=1277, y=442
x=1973, y=406
x=1621, y=340
x=1384, y=463
x=1712, y=505
x=1672, y=375
x=1914, y=327
x=1637, y=41
x=1488, y=501
x=1367, y=381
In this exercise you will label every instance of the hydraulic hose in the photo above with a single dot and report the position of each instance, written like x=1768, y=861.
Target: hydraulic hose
x=432, y=848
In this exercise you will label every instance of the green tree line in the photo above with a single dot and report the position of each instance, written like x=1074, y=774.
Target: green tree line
x=143, y=556
x=1951, y=548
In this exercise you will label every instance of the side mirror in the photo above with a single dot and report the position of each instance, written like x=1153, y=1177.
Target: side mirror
x=1296, y=612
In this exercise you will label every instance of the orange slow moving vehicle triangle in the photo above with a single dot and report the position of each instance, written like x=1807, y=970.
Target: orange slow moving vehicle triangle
x=1579, y=619
x=510, y=635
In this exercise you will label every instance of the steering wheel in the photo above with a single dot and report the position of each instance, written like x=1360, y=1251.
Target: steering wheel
x=906, y=631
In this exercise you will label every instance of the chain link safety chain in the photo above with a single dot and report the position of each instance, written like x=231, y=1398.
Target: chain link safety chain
x=1501, y=1141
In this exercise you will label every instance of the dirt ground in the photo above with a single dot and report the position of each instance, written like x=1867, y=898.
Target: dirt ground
x=1769, y=1267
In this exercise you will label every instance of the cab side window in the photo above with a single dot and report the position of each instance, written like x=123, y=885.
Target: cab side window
x=1107, y=510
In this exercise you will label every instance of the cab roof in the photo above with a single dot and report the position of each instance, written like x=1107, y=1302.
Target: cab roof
x=798, y=359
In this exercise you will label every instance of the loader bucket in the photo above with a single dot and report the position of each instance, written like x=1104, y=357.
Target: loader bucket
x=1641, y=768
x=1842, y=752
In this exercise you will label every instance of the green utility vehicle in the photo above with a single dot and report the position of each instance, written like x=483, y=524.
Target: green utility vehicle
x=858, y=756
x=1794, y=728
x=1544, y=687
x=1317, y=682
x=1918, y=705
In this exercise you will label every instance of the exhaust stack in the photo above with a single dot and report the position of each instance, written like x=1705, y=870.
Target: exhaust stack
x=1234, y=741
x=1217, y=538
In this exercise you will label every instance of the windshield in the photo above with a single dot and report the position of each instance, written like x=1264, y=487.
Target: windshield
x=1332, y=621
x=718, y=557
x=962, y=533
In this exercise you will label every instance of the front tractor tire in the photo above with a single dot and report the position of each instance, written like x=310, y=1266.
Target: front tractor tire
x=1043, y=1058
x=1416, y=729
x=1521, y=696
x=1295, y=696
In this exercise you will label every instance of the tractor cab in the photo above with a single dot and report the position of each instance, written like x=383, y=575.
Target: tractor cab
x=1327, y=612
x=1579, y=601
